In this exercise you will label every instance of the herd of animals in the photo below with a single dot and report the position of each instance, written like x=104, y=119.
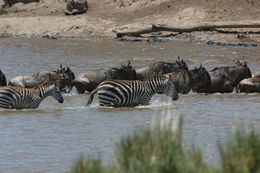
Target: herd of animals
x=125, y=86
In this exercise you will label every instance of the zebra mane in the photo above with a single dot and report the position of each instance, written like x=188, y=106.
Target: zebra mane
x=45, y=85
x=163, y=77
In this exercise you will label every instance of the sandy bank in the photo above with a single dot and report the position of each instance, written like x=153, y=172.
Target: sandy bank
x=46, y=17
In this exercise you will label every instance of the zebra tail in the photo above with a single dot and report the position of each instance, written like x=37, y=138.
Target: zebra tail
x=90, y=99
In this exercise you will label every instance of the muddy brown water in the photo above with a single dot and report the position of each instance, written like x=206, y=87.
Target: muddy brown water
x=51, y=138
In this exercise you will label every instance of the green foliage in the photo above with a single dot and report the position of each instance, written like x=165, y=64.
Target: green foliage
x=89, y=166
x=160, y=150
x=242, y=153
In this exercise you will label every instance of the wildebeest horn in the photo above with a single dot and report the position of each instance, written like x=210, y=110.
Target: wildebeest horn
x=61, y=66
x=200, y=66
x=128, y=63
x=245, y=64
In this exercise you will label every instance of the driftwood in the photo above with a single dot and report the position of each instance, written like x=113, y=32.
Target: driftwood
x=200, y=27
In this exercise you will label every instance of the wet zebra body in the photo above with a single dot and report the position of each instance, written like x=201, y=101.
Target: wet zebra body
x=128, y=93
x=27, y=98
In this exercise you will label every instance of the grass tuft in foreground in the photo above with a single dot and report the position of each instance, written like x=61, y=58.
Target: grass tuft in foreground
x=160, y=150
x=242, y=153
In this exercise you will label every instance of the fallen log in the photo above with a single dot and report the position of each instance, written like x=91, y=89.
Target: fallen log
x=135, y=33
x=209, y=26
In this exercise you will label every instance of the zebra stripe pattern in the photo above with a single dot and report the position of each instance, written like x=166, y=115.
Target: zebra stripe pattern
x=27, y=98
x=120, y=93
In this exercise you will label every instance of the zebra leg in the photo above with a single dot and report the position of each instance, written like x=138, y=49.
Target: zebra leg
x=90, y=99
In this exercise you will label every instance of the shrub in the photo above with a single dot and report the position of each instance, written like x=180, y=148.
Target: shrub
x=160, y=150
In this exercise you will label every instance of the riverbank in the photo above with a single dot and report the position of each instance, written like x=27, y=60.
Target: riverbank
x=46, y=17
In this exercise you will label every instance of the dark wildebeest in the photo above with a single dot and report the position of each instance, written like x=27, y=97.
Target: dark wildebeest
x=159, y=68
x=225, y=79
x=249, y=85
x=43, y=77
x=2, y=79
x=186, y=80
x=90, y=80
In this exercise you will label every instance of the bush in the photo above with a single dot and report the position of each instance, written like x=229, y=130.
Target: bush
x=242, y=153
x=160, y=150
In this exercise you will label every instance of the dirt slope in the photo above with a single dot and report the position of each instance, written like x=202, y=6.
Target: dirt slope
x=46, y=16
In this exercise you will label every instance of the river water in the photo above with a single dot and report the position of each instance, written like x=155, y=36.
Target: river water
x=51, y=138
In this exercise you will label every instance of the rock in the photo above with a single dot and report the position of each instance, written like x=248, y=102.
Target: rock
x=210, y=42
x=74, y=7
x=253, y=44
x=87, y=32
x=50, y=37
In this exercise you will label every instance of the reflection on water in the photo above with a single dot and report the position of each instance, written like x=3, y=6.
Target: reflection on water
x=52, y=137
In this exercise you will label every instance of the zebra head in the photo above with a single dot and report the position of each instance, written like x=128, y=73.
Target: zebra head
x=169, y=88
x=56, y=93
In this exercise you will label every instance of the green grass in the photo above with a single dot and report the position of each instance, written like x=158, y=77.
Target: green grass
x=242, y=153
x=160, y=150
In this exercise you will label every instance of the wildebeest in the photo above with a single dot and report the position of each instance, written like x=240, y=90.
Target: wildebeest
x=186, y=80
x=249, y=85
x=159, y=68
x=43, y=77
x=90, y=80
x=225, y=79
x=2, y=79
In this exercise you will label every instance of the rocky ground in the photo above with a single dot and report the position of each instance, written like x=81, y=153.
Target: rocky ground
x=46, y=18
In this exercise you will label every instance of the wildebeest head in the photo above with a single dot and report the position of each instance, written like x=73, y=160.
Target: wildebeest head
x=239, y=72
x=67, y=71
x=180, y=64
x=125, y=72
x=62, y=81
x=2, y=79
x=200, y=78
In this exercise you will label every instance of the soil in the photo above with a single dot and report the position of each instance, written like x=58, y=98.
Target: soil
x=46, y=17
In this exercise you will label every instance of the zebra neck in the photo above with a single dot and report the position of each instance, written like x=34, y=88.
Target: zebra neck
x=44, y=92
x=155, y=85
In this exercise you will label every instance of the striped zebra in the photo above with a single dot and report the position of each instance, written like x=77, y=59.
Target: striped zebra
x=27, y=98
x=129, y=93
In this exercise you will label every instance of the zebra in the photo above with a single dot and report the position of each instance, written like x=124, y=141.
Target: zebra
x=27, y=98
x=130, y=93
